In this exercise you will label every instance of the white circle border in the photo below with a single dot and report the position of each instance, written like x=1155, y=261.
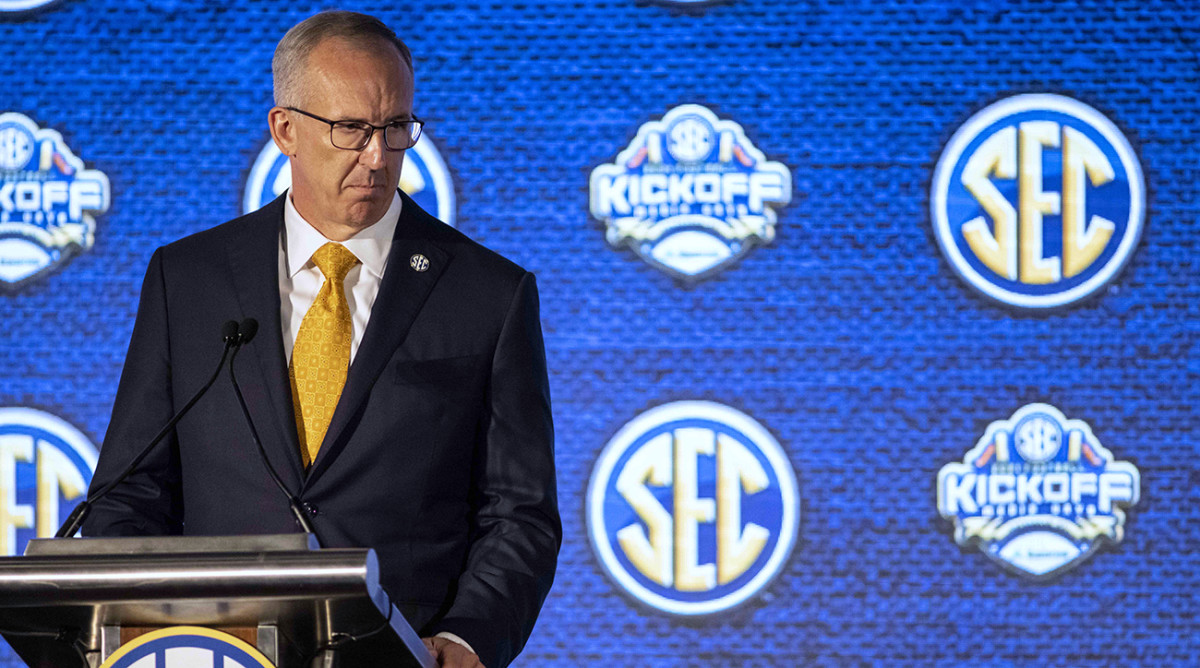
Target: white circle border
x=681, y=410
x=31, y=417
x=1033, y=102
x=426, y=150
x=22, y=5
x=24, y=416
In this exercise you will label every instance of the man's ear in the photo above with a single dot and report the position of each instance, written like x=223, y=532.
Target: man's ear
x=283, y=131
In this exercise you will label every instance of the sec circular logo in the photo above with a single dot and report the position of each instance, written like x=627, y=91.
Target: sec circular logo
x=1038, y=201
x=46, y=465
x=187, y=647
x=424, y=177
x=1038, y=438
x=693, y=508
x=690, y=138
x=16, y=145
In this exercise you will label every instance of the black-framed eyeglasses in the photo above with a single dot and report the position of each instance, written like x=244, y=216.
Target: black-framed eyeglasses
x=355, y=135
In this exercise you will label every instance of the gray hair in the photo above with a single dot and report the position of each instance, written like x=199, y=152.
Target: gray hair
x=287, y=67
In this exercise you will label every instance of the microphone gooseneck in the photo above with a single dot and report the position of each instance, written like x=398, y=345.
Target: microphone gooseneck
x=229, y=332
x=246, y=332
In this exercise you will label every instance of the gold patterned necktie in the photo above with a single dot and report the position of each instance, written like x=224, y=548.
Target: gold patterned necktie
x=321, y=355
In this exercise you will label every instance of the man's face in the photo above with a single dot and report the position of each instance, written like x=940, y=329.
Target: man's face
x=341, y=191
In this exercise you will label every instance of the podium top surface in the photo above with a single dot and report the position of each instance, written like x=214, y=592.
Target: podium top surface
x=247, y=572
x=59, y=547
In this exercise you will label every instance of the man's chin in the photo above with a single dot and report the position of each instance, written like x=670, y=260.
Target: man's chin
x=364, y=212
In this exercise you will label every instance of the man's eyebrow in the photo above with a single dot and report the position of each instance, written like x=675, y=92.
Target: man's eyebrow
x=394, y=119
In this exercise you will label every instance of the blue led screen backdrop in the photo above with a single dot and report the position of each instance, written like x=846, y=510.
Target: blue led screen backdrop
x=872, y=326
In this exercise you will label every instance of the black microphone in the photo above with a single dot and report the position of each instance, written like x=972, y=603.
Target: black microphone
x=229, y=334
x=246, y=332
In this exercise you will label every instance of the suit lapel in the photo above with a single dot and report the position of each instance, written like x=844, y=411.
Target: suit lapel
x=254, y=258
x=402, y=293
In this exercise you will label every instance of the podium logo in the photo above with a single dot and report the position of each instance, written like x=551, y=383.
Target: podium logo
x=45, y=465
x=187, y=647
x=47, y=201
x=1038, y=493
x=692, y=507
x=690, y=194
x=423, y=177
x=1038, y=201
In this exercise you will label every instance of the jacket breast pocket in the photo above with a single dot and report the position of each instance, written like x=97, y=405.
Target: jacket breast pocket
x=447, y=372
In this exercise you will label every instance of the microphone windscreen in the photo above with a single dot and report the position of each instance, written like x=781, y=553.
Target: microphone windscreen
x=229, y=330
x=247, y=330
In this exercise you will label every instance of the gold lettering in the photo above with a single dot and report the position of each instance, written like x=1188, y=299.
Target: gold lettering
x=1082, y=241
x=13, y=448
x=649, y=554
x=997, y=250
x=690, y=510
x=56, y=475
x=1034, y=203
x=737, y=548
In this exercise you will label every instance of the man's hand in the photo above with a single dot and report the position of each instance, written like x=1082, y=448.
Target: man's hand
x=450, y=654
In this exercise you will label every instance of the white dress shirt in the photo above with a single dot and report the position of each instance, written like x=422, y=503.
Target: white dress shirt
x=300, y=280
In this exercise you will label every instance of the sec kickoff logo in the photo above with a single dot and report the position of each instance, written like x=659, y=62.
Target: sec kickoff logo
x=1038, y=201
x=424, y=177
x=45, y=464
x=187, y=647
x=47, y=201
x=1038, y=493
x=690, y=194
x=692, y=507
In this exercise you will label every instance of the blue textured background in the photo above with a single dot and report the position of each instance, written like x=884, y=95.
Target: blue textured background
x=849, y=337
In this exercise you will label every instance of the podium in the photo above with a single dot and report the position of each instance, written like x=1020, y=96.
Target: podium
x=73, y=602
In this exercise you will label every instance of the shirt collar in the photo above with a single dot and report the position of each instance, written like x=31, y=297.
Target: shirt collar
x=370, y=245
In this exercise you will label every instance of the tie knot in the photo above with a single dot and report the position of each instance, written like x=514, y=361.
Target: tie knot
x=334, y=260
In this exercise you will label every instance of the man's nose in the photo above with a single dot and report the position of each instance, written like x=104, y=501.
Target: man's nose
x=373, y=153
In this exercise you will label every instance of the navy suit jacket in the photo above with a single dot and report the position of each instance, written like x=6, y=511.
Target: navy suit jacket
x=439, y=454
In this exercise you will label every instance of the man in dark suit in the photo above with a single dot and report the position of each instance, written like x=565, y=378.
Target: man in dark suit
x=398, y=379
